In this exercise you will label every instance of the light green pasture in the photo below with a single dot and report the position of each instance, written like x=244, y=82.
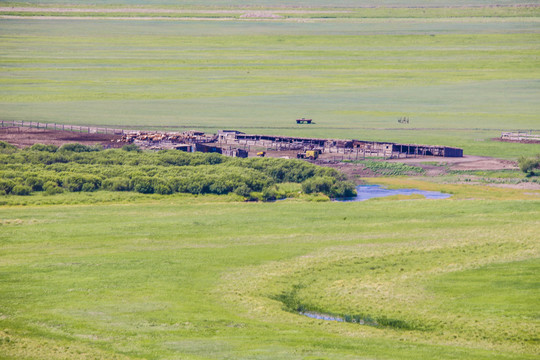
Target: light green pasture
x=264, y=13
x=277, y=3
x=460, y=81
x=197, y=278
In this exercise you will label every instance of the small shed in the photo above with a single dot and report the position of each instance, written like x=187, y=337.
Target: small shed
x=185, y=147
x=207, y=148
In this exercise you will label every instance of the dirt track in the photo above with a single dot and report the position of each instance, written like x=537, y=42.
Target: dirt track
x=24, y=137
x=467, y=162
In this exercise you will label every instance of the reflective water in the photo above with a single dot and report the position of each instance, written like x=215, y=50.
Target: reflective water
x=365, y=192
x=315, y=315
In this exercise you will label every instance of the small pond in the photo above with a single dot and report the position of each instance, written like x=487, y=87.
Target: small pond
x=315, y=315
x=365, y=192
x=349, y=319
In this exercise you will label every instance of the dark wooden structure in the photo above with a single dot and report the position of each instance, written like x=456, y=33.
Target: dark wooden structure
x=185, y=147
x=303, y=121
x=207, y=148
x=427, y=150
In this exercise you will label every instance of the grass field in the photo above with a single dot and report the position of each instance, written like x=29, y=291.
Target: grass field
x=198, y=278
x=102, y=275
x=460, y=80
x=279, y=3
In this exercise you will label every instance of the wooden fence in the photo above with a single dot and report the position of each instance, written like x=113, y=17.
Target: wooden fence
x=61, y=127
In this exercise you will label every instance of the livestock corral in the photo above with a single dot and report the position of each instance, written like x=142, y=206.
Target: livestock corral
x=227, y=142
x=335, y=146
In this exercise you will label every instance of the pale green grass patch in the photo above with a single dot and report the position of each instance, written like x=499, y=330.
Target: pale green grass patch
x=460, y=87
x=173, y=276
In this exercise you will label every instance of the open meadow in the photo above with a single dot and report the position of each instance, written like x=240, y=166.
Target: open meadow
x=184, y=277
x=122, y=254
x=460, y=79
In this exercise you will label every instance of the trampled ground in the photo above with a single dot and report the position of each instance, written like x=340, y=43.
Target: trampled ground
x=25, y=137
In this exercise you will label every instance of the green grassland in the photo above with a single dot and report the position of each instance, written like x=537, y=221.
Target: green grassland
x=123, y=275
x=280, y=3
x=280, y=12
x=202, y=277
x=461, y=81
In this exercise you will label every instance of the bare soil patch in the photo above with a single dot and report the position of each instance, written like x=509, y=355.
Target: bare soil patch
x=467, y=162
x=23, y=137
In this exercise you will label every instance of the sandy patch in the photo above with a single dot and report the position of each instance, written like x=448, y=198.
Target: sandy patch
x=24, y=137
x=467, y=162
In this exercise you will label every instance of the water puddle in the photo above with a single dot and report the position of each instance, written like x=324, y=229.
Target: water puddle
x=315, y=315
x=347, y=318
x=366, y=192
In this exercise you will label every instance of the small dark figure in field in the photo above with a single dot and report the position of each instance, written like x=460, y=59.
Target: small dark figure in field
x=403, y=120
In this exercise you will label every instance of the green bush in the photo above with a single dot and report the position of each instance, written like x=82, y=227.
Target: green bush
x=116, y=184
x=7, y=148
x=343, y=189
x=196, y=187
x=81, y=182
x=142, y=185
x=51, y=188
x=76, y=167
x=6, y=186
x=269, y=194
x=529, y=165
x=35, y=183
x=318, y=184
x=21, y=190
x=78, y=148
x=163, y=189
x=243, y=190
x=42, y=147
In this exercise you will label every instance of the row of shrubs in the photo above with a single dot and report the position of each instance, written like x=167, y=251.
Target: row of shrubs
x=390, y=169
x=76, y=167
